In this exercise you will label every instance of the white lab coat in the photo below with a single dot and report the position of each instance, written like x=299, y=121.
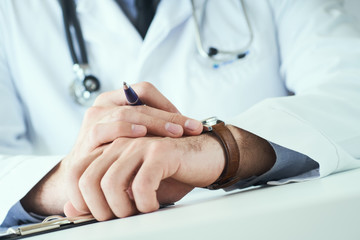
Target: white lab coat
x=307, y=47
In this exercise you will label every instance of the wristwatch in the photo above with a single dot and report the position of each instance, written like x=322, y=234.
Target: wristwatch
x=218, y=129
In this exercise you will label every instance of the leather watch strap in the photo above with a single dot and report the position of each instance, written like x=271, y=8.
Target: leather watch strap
x=232, y=157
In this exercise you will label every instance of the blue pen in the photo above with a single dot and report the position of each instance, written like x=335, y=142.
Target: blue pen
x=131, y=96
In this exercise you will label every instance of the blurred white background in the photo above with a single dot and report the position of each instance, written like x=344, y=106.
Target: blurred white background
x=353, y=6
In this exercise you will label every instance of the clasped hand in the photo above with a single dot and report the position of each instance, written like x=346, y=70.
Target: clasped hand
x=130, y=159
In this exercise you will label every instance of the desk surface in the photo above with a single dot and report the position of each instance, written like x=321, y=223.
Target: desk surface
x=327, y=208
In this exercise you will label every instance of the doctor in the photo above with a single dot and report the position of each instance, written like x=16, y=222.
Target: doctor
x=283, y=75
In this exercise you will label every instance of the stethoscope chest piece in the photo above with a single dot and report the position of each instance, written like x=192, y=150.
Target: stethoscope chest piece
x=85, y=88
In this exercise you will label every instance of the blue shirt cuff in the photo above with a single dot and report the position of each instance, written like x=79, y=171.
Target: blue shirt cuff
x=289, y=164
x=18, y=216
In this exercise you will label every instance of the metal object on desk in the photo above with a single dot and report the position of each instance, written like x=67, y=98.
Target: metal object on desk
x=52, y=223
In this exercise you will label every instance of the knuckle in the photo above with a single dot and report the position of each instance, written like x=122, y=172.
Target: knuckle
x=86, y=182
x=140, y=141
x=94, y=132
x=107, y=184
x=74, y=173
x=140, y=108
x=92, y=112
x=118, y=142
x=122, y=113
x=119, y=130
x=175, y=118
x=103, y=96
x=135, y=143
x=146, y=85
x=95, y=136
x=154, y=148
x=139, y=186
x=144, y=88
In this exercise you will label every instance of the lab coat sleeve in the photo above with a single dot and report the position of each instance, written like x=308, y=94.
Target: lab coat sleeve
x=19, y=169
x=320, y=52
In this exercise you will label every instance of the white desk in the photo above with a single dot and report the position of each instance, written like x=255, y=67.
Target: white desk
x=328, y=208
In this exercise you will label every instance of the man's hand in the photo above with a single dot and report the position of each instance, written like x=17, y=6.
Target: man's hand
x=116, y=172
x=135, y=175
x=110, y=118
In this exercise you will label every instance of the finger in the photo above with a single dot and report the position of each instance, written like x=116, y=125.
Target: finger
x=90, y=181
x=75, y=169
x=148, y=94
x=145, y=185
x=103, y=132
x=157, y=122
x=95, y=113
x=155, y=168
x=151, y=96
x=189, y=125
x=70, y=210
x=153, y=124
x=111, y=98
x=116, y=182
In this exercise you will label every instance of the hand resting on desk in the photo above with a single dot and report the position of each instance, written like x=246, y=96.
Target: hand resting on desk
x=129, y=159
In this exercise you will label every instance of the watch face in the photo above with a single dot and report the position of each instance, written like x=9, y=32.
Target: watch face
x=210, y=121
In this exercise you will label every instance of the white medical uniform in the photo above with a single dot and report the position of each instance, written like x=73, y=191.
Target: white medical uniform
x=309, y=48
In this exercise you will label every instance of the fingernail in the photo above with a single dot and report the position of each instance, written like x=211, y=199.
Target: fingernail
x=173, y=128
x=192, y=124
x=138, y=129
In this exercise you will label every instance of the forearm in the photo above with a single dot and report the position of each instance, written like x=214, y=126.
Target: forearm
x=256, y=154
x=48, y=196
x=263, y=162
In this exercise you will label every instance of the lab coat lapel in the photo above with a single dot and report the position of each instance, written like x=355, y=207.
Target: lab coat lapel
x=103, y=21
x=169, y=15
x=106, y=16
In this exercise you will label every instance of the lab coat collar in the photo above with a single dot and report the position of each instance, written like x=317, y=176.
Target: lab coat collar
x=106, y=15
x=169, y=14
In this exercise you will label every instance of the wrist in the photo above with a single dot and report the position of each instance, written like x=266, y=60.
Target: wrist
x=202, y=161
x=244, y=154
x=231, y=152
x=256, y=154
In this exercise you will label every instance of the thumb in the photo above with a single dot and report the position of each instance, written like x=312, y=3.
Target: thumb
x=70, y=210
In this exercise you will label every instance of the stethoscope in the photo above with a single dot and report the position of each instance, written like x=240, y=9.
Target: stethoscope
x=220, y=57
x=86, y=87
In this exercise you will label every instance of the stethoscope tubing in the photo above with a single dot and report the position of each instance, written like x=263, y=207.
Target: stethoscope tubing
x=71, y=21
x=230, y=55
